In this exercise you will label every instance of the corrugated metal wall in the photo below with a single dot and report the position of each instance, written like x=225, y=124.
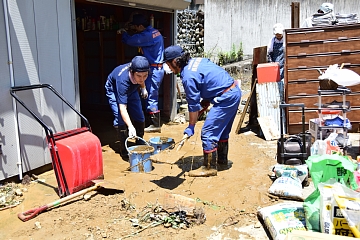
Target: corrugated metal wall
x=9, y=155
x=42, y=51
x=250, y=22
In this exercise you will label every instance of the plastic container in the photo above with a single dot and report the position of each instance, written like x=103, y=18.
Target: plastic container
x=81, y=159
x=161, y=143
x=139, y=157
x=268, y=72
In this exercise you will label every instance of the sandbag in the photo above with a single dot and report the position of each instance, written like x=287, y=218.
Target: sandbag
x=282, y=218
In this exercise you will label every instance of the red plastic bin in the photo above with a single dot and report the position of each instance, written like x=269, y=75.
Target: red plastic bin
x=268, y=72
x=81, y=159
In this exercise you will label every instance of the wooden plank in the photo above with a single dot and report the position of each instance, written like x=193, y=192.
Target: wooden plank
x=243, y=113
x=296, y=128
x=310, y=101
x=322, y=60
x=310, y=88
x=322, y=33
x=295, y=15
x=323, y=47
x=295, y=116
x=259, y=56
x=175, y=202
x=313, y=74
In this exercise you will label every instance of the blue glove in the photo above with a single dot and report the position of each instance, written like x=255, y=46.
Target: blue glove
x=190, y=130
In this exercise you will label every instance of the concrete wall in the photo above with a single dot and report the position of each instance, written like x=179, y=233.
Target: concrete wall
x=250, y=21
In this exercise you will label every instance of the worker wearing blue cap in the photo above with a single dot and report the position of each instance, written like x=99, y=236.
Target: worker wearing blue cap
x=122, y=91
x=203, y=79
x=151, y=44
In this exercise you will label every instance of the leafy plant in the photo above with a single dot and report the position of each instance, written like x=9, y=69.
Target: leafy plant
x=236, y=54
x=240, y=52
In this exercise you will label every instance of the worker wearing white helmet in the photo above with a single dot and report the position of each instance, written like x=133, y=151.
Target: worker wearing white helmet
x=275, y=53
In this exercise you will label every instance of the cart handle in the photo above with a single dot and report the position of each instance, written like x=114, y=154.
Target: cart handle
x=44, y=85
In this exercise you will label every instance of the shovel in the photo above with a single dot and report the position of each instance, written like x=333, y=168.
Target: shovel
x=25, y=216
x=181, y=143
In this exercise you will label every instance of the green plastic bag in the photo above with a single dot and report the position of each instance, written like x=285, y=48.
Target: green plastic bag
x=323, y=168
x=312, y=211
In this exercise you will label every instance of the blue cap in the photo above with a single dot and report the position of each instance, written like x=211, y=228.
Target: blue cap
x=173, y=52
x=138, y=19
x=140, y=64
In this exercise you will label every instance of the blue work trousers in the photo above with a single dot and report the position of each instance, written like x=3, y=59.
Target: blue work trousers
x=152, y=83
x=220, y=118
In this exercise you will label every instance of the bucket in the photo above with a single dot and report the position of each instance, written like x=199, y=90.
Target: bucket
x=139, y=156
x=161, y=143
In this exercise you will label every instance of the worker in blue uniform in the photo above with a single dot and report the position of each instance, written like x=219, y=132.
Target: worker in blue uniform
x=151, y=45
x=204, y=83
x=122, y=89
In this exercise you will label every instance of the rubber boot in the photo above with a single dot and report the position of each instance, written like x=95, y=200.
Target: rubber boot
x=123, y=133
x=223, y=148
x=156, y=125
x=139, y=127
x=209, y=168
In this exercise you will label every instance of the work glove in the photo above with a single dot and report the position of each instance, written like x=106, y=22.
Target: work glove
x=132, y=132
x=190, y=130
x=205, y=103
x=143, y=92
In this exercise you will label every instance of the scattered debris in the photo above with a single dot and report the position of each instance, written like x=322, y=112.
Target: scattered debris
x=26, y=180
x=210, y=204
x=10, y=196
x=154, y=215
x=38, y=225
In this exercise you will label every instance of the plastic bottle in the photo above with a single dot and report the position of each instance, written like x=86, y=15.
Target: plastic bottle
x=358, y=163
x=152, y=20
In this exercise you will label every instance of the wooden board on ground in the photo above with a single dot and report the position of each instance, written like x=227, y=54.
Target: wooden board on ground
x=268, y=128
x=175, y=202
x=243, y=113
x=167, y=156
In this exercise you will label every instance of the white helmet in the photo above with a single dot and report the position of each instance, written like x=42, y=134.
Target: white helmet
x=278, y=28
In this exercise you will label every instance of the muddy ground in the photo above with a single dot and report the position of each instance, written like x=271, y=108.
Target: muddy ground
x=230, y=200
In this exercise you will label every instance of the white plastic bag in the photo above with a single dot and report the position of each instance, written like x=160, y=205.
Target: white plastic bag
x=343, y=77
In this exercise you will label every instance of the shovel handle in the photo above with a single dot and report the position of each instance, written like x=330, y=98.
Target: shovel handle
x=24, y=216
x=185, y=137
x=29, y=214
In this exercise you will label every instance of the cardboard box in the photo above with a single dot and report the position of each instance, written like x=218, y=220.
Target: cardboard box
x=307, y=235
x=268, y=72
x=314, y=129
